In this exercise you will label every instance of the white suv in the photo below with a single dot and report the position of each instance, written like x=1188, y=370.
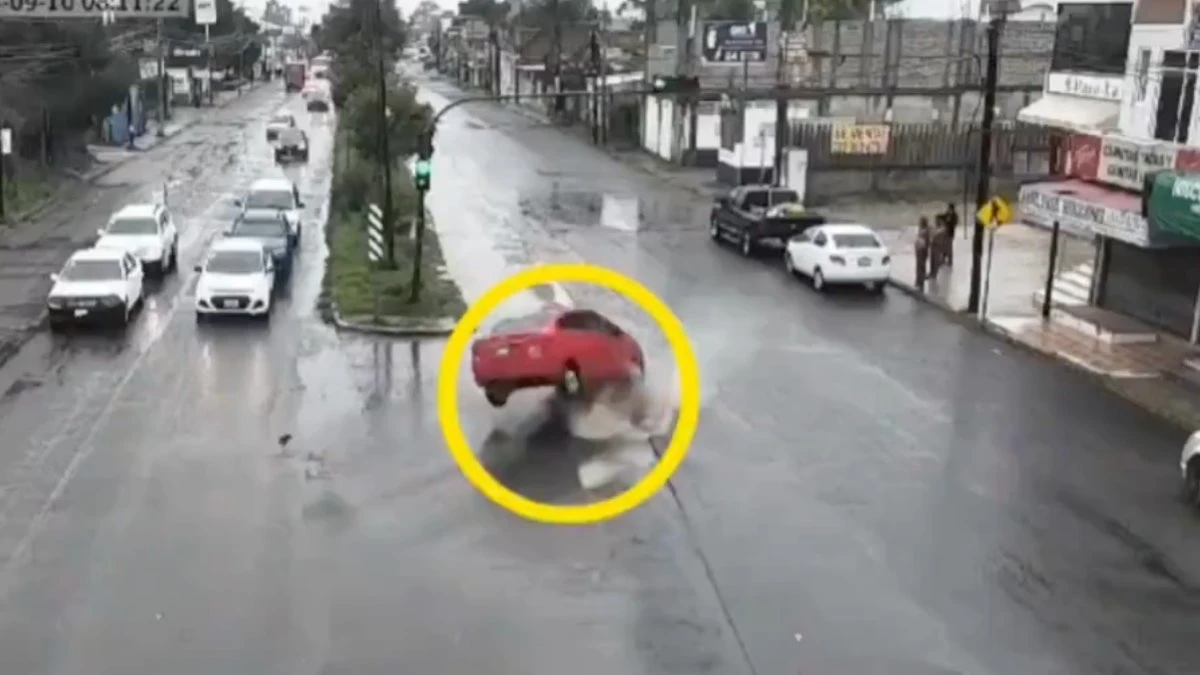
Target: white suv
x=147, y=232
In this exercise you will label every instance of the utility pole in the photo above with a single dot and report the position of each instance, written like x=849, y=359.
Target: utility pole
x=787, y=22
x=163, y=81
x=389, y=225
x=559, y=102
x=209, y=48
x=595, y=67
x=983, y=171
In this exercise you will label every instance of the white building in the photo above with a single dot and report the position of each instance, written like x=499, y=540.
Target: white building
x=1121, y=90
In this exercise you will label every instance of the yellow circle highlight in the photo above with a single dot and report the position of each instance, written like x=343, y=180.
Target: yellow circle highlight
x=685, y=426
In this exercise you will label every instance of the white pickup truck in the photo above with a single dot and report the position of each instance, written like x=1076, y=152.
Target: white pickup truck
x=145, y=231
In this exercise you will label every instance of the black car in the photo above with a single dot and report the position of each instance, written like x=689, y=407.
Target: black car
x=270, y=227
x=754, y=216
x=292, y=146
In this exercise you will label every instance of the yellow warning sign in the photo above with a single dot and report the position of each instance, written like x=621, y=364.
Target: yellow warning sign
x=994, y=213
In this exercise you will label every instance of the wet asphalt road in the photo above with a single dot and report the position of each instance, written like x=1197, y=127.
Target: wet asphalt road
x=872, y=490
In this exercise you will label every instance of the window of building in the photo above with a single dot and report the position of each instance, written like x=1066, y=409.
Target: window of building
x=1092, y=38
x=1160, y=11
x=1142, y=74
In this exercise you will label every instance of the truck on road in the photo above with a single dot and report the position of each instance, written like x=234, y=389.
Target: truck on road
x=754, y=216
x=293, y=76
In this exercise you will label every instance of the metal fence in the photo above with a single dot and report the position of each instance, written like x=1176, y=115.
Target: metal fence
x=922, y=147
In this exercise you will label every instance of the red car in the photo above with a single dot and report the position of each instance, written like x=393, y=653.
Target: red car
x=568, y=348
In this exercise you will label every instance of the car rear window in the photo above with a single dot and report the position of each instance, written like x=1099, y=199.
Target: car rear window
x=856, y=241
x=530, y=323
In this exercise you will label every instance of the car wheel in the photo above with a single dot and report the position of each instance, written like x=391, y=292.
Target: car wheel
x=714, y=230
x=876, y=287
x=497, y=397
x=747, y=245
x=1191, y=482
x=572, y=381
x=818, y=280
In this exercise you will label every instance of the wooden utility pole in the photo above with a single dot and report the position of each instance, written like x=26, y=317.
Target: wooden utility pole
x=389, y=226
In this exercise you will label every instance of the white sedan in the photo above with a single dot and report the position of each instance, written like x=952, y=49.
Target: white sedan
x=238, y=278
x=1189, y=466
x=839, y=254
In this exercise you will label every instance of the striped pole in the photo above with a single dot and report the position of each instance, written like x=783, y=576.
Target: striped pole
x=375, y=245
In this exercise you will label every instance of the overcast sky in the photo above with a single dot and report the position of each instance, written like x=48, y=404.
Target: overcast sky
x=907, y=8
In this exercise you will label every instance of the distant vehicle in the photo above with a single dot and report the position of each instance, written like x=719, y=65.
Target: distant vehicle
x=269, y=229
x=292, y=146
x=146, y=231
x=96, y=285
x=293, y=76
x=279, y=194
x=754, y=216
x=316, y=96
x=571, y=349
x=839, y=254
x=1189, y=466
x=237, y=278
x=277, y=124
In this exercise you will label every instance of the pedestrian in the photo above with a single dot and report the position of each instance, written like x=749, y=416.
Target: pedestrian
x=950, y=220
x=937, y=247
x=921, y=249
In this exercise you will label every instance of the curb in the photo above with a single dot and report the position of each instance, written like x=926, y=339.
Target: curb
x=405, y=327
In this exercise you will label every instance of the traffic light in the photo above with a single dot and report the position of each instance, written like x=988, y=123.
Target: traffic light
x=421, y=174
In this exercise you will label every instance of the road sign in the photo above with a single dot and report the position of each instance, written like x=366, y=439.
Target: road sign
x=206, y=12
x=375, y=248
x=734, y=42
x=995, y=212
x=95, y=9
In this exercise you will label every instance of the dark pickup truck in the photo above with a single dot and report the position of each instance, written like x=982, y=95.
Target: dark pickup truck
x=753, y=216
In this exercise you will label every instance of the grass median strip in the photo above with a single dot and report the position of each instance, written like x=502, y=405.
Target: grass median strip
x=354, y=281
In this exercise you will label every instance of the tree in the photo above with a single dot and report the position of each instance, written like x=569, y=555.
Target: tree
x=407, y=119
x=69, y=71
x=277, y=13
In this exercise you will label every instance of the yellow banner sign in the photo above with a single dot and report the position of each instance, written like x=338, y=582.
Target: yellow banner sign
x=860, y=139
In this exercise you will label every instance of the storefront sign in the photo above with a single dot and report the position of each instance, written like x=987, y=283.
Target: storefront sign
x=860, y=139
x=1042, y=206
x=1083, y=156
x=1085, y=86
x=1123, y=162
x=1174, y=203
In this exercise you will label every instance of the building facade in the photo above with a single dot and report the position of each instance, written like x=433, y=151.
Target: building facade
x=1121, y=92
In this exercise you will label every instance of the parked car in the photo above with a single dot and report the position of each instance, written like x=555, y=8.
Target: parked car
x=571, y=349
x=238, y=278
x=839, y=254
x=146, y=231
x=1189, y=466
x=96, y=285
x=754, y=216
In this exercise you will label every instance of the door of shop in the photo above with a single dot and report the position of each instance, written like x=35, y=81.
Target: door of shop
x=1157, y=286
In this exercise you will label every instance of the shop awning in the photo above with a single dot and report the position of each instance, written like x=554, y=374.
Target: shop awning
x=1174, y=204
x=1072, y=113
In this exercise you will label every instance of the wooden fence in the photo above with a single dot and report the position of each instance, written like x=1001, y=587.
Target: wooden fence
x=928, y=146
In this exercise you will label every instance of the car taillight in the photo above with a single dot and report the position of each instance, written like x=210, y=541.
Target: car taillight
x=837, y=260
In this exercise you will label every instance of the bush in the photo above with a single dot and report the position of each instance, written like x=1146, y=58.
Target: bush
x=407, y=120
